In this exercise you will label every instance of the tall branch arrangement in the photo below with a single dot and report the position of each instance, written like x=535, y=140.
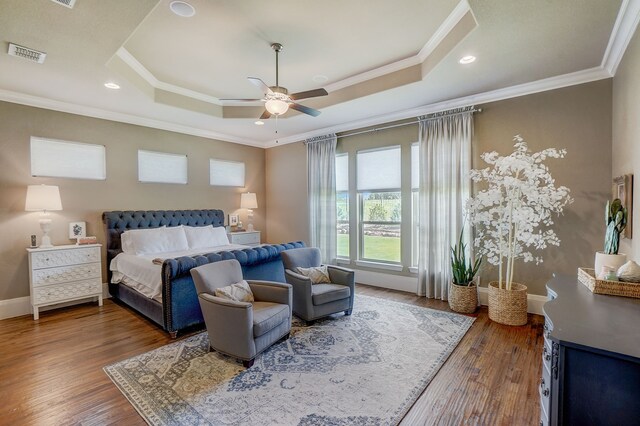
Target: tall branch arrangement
x=514, y=214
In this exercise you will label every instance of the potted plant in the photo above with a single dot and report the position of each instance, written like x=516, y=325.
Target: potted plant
x=616, y=220
x=513, y=216
x=463, y=292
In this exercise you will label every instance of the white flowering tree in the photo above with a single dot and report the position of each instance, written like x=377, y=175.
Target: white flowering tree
x=513, y=215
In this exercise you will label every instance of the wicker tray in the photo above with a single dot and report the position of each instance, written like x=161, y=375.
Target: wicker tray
x=614, y=288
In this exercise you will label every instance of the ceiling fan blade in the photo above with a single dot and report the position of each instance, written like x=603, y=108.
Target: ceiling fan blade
x=304, y=109
x=266, y=114
x=260, y=84
x=241, y=100
x=309, y=94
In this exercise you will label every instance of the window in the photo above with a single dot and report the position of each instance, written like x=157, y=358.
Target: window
x=342, y=204
x=379, y=202
x=53, y=158
x=415, y=203
x=162, y=167
x=226, y=173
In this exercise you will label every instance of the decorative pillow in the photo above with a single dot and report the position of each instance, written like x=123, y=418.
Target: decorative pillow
x=317, y=274
x=159, y=240
x=206, y=236
x=240, y=292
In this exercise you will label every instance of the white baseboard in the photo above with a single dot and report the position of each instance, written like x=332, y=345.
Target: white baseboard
x=409, y=284
x=380, y=279
x=20, y=306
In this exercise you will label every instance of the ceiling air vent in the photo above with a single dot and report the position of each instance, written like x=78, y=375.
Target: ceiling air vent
x=66, y=3
x=26, y=53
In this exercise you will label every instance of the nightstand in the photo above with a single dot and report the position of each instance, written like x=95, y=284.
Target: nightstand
x=63, y=273
x=247, y=238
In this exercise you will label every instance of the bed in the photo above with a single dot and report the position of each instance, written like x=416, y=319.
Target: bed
x=172, y=303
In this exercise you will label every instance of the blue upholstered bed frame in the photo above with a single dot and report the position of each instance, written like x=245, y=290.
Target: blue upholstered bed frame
x=180, y=308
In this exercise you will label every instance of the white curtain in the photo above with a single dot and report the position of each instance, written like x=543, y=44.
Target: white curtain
x=321, y=164
x=445, y=162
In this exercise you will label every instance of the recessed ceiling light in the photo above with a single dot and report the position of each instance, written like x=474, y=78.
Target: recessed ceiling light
x=111, y=85
x=182, y=8
x=320, y=78
x=467, y=59
x=259, y=123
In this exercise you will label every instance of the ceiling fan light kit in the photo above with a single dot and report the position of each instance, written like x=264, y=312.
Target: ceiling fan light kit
x=277, y=99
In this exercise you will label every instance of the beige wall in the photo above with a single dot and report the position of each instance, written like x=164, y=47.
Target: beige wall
x=286, y=184
x=85, y=200
x=626, y=133
x=576, y=118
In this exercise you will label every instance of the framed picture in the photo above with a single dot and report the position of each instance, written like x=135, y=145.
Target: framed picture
x=77, y=230
x=234, y=219
x=623, y=189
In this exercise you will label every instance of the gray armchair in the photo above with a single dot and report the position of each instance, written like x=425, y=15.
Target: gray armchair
x=240, y=329
x=313, y=301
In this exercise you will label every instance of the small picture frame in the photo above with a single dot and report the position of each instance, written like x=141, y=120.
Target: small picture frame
x=234, y=219
x=77, y=230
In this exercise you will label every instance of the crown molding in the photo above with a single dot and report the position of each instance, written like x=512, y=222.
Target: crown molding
x=39, y=102
x=552, y=83
x=623, y=30
x=447, y=26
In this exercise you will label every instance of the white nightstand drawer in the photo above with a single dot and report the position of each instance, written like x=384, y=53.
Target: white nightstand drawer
x=245, y=238
x=60, y=292
x=47, y=259
x=42, y=277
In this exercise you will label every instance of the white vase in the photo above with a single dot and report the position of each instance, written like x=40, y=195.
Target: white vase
x=613, y=261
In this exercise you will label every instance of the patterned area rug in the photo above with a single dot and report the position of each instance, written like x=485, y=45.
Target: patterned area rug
x=365, y=369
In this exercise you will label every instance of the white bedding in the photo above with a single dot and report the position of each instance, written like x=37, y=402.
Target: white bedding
x=140, y=273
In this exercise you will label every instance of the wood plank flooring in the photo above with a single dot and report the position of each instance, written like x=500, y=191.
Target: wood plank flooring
x=51, y=369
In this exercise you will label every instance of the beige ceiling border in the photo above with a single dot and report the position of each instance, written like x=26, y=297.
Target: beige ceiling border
x=458, y=24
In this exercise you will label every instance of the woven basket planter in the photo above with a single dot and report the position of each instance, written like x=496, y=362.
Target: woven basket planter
x=508, y=307
x=463, y=299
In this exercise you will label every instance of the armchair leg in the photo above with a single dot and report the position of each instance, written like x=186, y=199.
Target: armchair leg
x=348, y=311
x=285, y=337
x=248, y=364
x=173, y=334
x=211, y=349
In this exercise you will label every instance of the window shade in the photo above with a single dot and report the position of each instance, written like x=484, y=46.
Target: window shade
x=379, y=169
x=54, y=158
x=226, y=173
x=342, y=172
x=162, y=167
x=415, y=166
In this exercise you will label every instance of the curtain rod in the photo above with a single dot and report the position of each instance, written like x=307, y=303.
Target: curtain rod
x=434, y=115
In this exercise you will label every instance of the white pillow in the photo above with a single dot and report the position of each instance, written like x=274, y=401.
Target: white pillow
x=240, y=292
x=126, y=239
x=206, y=236
x=159, y=240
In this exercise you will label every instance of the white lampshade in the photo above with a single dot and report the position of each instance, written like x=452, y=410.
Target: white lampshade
x=248, y=201
x=276, y=106
x=43, y=198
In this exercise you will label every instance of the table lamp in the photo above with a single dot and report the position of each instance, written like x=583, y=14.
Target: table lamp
x=248, y=201
x=44, y=198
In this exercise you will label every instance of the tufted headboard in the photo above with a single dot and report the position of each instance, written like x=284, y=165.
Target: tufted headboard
x=116, y=222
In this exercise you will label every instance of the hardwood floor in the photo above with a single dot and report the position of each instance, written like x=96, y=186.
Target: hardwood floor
x=51, y=369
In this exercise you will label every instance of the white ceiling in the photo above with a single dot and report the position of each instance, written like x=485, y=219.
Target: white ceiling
x=173, y=70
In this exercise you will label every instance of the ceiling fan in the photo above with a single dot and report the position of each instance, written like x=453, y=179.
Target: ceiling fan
x=277, y=99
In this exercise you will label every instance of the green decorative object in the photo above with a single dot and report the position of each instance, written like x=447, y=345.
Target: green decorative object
x=616, y=221
x=462, y=268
